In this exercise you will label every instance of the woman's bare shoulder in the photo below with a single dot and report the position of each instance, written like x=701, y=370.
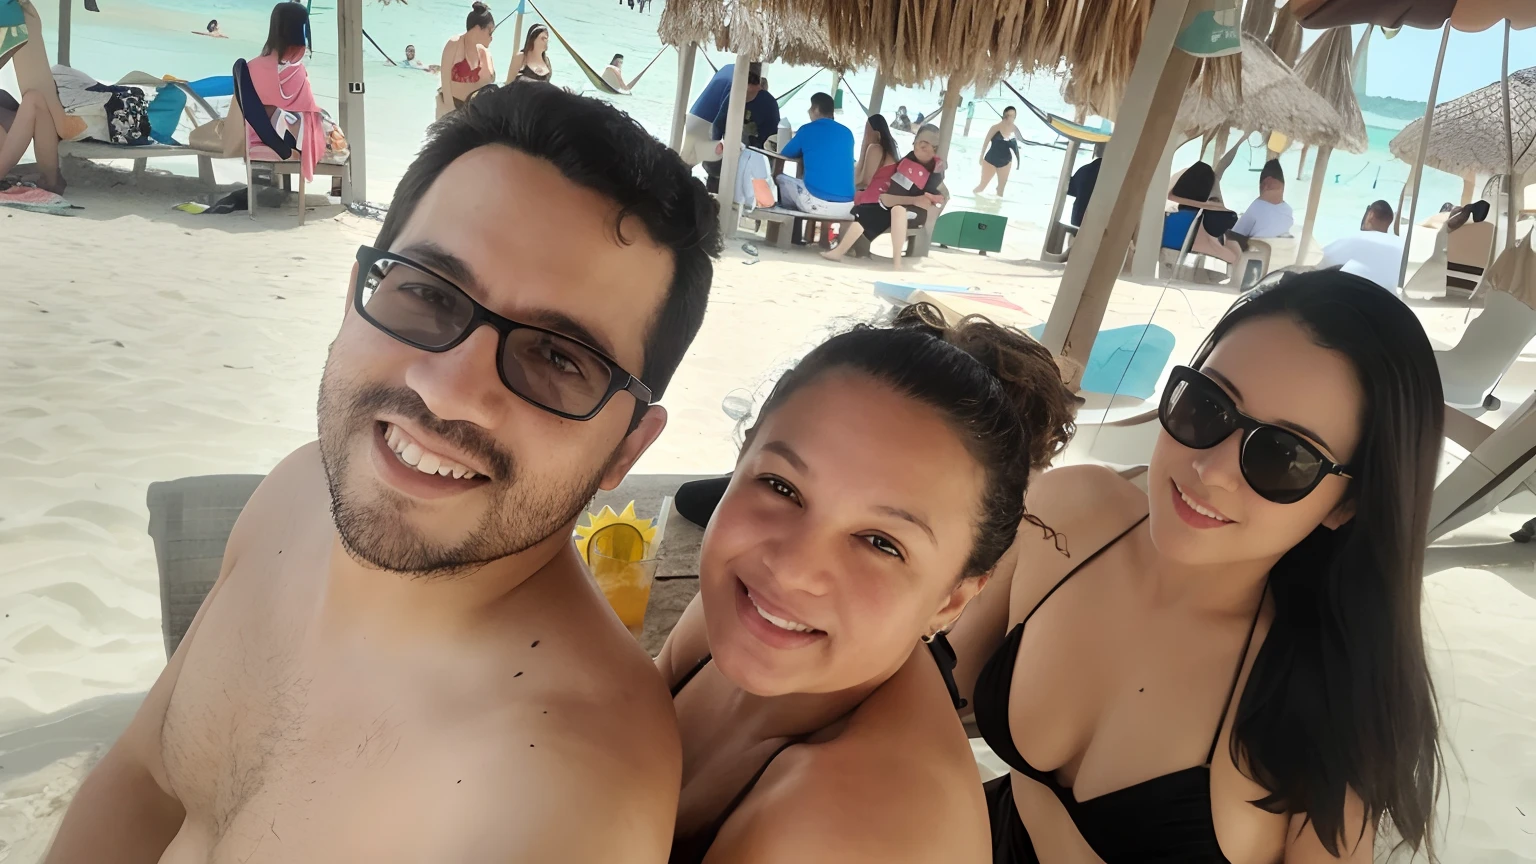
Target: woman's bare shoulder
x=1073, y=495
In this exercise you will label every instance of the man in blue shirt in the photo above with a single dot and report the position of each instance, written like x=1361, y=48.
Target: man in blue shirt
x=826, y=147
x=705, y=124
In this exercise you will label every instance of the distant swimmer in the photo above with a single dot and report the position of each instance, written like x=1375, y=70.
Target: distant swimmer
x=213, y=30
x=614, y=74
x=412, y=63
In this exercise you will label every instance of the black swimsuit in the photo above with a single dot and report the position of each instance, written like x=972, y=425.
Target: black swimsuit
x=1165, y=819
x=691, y=850
x=1002, y=151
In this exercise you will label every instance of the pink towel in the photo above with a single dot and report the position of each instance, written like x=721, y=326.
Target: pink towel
x=286, y=86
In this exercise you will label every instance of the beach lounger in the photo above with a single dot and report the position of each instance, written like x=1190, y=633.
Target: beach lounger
x=190, y=520
x=275, y=152
x=1467, y=253
x=1502, y=463
x=141, y=154
x=1491, y=344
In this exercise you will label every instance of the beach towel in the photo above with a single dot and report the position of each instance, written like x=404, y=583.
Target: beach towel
x=285, y=87
x=13, y=28
x=36, y=200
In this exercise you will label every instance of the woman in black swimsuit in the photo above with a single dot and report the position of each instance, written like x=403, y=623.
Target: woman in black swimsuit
x=1229, y=667
x=532, y=63
x=1002, y=152
x=880, y=485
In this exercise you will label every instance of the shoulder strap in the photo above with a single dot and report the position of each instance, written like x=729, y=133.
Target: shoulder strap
x=697, y=668
x=1084, y=563
x=1237, y=674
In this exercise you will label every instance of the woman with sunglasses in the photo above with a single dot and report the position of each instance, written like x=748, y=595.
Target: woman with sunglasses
x=1229, y=667
x=882, y=482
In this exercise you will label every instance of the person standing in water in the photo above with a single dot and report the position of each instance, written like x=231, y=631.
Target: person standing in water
x=1001, y=153
x=467, y=65
x=411, y=62
x=532, y=63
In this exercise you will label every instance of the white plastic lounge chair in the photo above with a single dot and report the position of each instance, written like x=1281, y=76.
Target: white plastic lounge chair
x=1490, y=346
x=1500, y=465
x=141, y=154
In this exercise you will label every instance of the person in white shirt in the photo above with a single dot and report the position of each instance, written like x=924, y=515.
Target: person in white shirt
x=1268, y=215
x=1373, y=253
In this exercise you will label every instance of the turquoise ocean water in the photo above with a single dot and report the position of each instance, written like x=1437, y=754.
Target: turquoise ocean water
x=155, y=36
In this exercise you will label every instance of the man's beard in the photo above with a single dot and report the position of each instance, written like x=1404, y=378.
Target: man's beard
x=378, y=531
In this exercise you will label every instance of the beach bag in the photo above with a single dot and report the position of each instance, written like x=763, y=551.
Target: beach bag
x=127, y=116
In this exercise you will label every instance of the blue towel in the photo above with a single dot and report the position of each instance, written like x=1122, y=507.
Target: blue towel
x=1125, y=361
x=165, y=113
x=1176, y=228
x=214, y=86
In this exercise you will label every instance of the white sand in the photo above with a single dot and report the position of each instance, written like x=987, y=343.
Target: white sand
x=143, y=344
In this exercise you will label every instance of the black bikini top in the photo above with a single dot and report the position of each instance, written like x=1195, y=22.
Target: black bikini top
x=1164, y=819
x=530, y=75
x=691, y=850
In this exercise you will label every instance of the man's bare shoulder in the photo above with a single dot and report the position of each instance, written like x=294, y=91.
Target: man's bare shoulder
x=292, y=494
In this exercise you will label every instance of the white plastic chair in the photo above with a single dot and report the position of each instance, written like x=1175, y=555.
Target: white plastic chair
x=1492, y=342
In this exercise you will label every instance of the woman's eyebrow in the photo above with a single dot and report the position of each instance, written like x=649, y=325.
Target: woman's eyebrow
x=909, y=517
x=1237, y=395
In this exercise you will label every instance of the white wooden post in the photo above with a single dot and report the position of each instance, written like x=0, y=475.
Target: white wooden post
x=877, y=93
x=1514, y=185
x=1314, y=198
x=66, y=7
x=734, y=118
x=349, y=63
x=1149, y=243
x=685, y=58
x=1055, y=237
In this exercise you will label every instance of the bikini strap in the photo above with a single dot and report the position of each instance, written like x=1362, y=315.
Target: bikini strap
x=1084, y=563
x=697, y=668
x=1237, y=675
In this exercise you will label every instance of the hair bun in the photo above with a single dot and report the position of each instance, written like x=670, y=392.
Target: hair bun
x=480, y=7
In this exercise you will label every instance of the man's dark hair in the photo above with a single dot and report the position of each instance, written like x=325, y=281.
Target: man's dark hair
x=600, y=148
x=616, y=58
x=1381, y=211
x=754, y=78
x=1272, y=171
x=823, y=104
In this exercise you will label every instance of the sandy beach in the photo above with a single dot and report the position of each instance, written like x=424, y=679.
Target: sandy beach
x=145, y=344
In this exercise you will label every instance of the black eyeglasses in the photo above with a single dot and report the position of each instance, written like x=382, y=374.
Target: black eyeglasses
x=422, y=309
x=1277, y=463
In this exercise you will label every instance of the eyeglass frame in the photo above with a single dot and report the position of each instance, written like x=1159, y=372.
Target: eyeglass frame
x=1248, y=426
x=619, y=380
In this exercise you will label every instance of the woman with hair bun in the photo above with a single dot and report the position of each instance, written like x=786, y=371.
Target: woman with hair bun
x=881, y=483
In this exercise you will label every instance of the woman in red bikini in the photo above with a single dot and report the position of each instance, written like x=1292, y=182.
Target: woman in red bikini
x=467, y=64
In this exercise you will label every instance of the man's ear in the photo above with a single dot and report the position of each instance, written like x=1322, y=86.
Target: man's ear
x=1340, y=515
x=634, y=446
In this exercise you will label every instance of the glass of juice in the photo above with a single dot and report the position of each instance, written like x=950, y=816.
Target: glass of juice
x=626, y=584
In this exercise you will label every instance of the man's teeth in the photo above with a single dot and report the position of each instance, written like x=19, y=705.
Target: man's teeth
x=1211, y=514
x=427, y=462
x=781, y=623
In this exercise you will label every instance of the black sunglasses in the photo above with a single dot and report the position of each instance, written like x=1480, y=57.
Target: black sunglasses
x=422, y=309
x=1280, y=465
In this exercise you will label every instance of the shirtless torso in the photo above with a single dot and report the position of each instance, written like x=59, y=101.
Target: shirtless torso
x=292, y=725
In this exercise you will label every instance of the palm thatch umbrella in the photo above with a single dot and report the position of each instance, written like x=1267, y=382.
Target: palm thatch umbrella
x=1270, y=97
x=1328, y=67
x=1467, y=134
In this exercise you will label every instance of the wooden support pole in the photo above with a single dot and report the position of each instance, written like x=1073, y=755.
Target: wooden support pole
x=1158, y=81
x=947, y=117
x=1055, y=237
x=1314, y=198
x=1149, y=243
x=735, y=116
x=1417, y=175
x=349, y=63
x=66, y=7
x=1514, y=187
x=685, y=58
x=877, y=93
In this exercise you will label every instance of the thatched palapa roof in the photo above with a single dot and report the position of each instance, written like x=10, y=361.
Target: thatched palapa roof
x=1467, y=136
x=1271, y=97
x=920, y=41
x=1328, y=67
x=1467, y=15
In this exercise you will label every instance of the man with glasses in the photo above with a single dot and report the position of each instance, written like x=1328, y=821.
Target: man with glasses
x=403, y=658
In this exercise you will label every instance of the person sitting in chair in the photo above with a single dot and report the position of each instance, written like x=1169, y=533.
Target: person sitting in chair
x=914, y=185
x=1268, y=215
x=1372, y=252
x=826, y=146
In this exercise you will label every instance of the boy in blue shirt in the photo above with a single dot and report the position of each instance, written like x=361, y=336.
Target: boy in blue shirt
x=826, y=147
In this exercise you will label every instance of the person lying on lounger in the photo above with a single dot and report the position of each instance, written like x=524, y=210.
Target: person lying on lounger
x=403, y=658
x=882, y=481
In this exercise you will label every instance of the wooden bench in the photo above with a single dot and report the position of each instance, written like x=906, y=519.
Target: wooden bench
x=92, y=150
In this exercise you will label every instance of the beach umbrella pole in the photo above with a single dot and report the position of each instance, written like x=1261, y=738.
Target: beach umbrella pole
x=1417, y=174
x=735, y=116
x=1158, y=80
x=877, y=93
x=947, y=115
x=1144, y=260
x=1314, y=198
x=66, y=7
x=685, y=58
x=1055, y=237
x=1513, y=186
x=349, y=63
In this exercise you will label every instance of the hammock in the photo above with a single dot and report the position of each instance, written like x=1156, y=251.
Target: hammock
x=1061, y=125
x=586, y=68
x=854, y=93
x=791, y=94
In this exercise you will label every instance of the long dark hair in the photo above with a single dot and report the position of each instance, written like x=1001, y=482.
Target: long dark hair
x=289, y=29
x=533, y=33
x=1000, y=390
x=1340, y=695
x=480, y=15
x=1197, y=183
x=887, y=141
